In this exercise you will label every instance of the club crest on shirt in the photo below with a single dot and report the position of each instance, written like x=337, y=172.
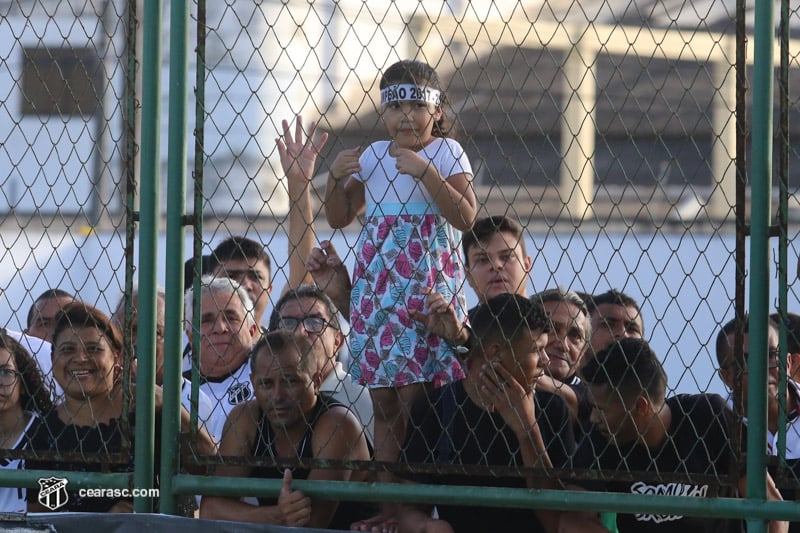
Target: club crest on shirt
x=239, y=393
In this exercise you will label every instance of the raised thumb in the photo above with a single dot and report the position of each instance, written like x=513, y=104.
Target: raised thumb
x=287, y=480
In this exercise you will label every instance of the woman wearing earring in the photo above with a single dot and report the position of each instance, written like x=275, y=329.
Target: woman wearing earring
x=89, y=422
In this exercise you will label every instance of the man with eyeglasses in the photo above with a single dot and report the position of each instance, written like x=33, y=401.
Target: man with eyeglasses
x=731, y=372
x=311, y=312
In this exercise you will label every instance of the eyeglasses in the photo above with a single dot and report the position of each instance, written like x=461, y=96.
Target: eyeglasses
x=312, y=324
x=773, y=357
x=8, y=377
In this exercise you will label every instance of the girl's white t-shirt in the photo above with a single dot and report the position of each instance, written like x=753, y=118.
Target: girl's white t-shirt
x=384, y=185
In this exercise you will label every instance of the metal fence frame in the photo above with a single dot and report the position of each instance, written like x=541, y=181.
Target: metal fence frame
x=760, y=229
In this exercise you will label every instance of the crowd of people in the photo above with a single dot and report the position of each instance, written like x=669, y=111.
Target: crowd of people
x=387, y=366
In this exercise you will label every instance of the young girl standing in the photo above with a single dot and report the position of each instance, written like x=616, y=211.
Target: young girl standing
x=418, y=194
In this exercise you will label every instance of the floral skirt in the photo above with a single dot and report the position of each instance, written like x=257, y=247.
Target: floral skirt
x=396, y=258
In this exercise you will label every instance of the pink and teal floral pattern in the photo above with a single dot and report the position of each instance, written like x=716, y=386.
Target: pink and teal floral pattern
x=396, y=257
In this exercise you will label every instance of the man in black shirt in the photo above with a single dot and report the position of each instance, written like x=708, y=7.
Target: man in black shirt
x=636, y=429
x=492, y=418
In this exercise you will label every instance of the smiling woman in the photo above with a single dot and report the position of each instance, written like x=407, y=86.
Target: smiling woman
x=87, y=364
x=90, y=421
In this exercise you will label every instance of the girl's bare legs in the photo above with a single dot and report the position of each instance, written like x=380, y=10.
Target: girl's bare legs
x=391, y=408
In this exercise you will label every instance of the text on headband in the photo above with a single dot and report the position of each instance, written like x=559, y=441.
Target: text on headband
x=407, y=92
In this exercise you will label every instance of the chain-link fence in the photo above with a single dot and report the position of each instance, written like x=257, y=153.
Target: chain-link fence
x=615, y=139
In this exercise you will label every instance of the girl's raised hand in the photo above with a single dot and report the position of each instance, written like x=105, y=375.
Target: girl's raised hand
x=408, y=161
x=441, y=318
x=346, y=164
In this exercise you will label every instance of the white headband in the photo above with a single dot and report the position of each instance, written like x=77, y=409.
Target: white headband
x=407, y=92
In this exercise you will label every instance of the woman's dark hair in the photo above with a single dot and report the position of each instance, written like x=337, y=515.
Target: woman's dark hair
x=34, y=395
x=81, y=315
x=420, y=73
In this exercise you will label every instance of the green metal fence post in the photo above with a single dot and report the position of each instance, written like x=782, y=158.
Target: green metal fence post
x=176, y=192
x=148, y=250
x=197, y=227
x=759, y=254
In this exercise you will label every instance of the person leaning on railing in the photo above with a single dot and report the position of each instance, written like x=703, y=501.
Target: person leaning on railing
x=637, y=430
x=88, y=423
x=288, y=421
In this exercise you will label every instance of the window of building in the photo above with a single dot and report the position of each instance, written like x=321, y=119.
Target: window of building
x=59, y=81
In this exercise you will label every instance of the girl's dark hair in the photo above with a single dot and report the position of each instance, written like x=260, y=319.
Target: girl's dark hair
x=81, y=315
x=34, y=395
x=420, y=73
